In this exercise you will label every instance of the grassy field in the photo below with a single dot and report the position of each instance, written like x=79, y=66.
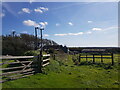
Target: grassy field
x=62, y=73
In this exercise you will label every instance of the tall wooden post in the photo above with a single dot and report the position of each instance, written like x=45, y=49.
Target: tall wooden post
x=112, y=58
x=36, y=42
x=41, y=48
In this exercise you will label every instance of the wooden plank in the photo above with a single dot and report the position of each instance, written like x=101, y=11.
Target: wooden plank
x=46, y=60
x=96, y=54
x=28, y=65
x=14, y=62
x=20, y=71
x=14, y=68
x=45, y=64
x=17, y=57
x=46, y=55
x=1, y=81
x=85, y=57
x=16, y=78
x=21, y=74
x=28, y=73
x=107, y=57
x=97, y=57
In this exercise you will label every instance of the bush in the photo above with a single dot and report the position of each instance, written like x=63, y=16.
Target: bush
x=51, y=51
x=31, y=53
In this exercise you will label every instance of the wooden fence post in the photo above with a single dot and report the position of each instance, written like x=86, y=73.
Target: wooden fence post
x=79, y=58
x=54, y=57
x=93, y=58
x=101, y=58
x=112, y=58
x=86, y=58
x=40, y=63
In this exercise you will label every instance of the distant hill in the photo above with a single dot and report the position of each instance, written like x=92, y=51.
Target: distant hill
x=110, y=49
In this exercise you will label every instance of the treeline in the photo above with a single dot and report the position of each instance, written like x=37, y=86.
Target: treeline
x=19, y=44
x=107, y=49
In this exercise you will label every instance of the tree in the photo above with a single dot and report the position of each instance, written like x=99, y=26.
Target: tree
x=17, y=45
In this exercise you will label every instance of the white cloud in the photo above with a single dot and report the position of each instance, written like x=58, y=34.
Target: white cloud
x=25, y=10
x=89, y=32
x=70, y=23
x=43, y=24
x=80, y=33
x=96, y=29
x=30, y=23
x=46, y=35
x=44, y=9
x=57, y=24
x=70, y=34
x=38, y=10
x=2, y=14
x=41, y=9
x=60, y=34
x=90, y=21
x=46, y=23
x=33, y=23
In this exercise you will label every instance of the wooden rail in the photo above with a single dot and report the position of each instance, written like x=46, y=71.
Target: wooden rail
x=21, y=66
x=16, y=57
x=94, y=56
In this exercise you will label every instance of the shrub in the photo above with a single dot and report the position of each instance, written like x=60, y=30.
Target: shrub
x=31, y=53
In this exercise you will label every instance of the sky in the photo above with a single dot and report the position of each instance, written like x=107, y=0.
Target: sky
x=80, y=24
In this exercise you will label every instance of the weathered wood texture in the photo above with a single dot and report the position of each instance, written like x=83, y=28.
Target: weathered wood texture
x=21, y=66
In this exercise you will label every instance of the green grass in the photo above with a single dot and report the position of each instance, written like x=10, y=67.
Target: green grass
x=62, y=73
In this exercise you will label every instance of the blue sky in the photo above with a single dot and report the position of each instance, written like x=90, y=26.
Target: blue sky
x=72, y=24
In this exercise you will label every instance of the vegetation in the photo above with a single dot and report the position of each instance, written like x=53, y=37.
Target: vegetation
x=64, y=70
x=63, y=73
x=32, y=53
x=107, y=49
x=19, y=44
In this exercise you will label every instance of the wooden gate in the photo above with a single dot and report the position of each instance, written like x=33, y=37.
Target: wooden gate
x=15, y=67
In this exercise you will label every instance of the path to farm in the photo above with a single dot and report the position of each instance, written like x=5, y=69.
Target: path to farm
x=62, y=73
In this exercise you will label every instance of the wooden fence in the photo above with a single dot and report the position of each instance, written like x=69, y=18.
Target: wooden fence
x=94, y=56
x=21, y=66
